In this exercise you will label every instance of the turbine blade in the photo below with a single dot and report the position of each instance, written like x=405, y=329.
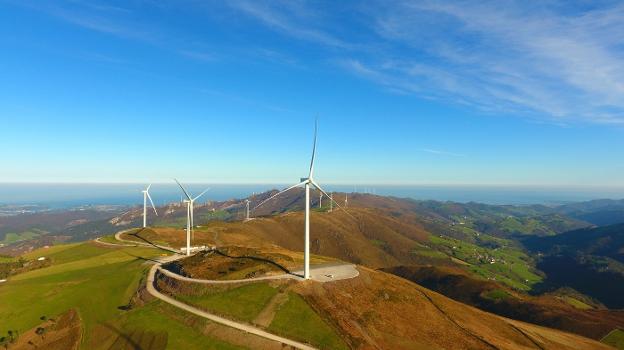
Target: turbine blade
x=201, y=194
x=151, y=201
x=331, y=199
x=278, y=193
x=313, y=149
x=183, y=189
x=148, y=187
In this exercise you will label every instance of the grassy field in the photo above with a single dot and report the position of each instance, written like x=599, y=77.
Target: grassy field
x=13, y=237
x=615, y=339
x=157, y=318
x=428, y=252
x=246, y=302
x=310, y=326
x=508, y=265
x=96, y=281
x=497, y=294
x=7, y=259
x=109, y=239
x=76, y=279
x=576, y=303
x=242, y=303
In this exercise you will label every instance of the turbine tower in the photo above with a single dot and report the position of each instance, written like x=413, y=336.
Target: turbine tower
x=247, y=209
x=320, y=200
x=306, y=182
x=331, y=202
x=146, y=195
x=346, y=199
x=189, y=214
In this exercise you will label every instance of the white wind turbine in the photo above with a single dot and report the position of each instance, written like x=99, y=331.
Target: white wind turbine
x=247, y=209
x=306, y=182
x=146, y=195
x=189, y=214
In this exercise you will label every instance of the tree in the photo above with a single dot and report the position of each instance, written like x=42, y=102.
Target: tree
x=40, y=331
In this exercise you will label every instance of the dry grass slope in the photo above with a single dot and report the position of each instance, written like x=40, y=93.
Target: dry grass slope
x=381, y=311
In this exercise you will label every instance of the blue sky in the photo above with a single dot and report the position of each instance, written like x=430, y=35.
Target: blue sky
x=406, y=92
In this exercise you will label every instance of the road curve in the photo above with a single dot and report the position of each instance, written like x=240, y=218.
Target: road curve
x=224, y=321
x=98, y=241
x=256, y=279
x=323, y=274
x=151, y=276
x=143, y=244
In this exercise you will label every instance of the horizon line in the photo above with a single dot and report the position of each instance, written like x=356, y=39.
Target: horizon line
x=423, y=184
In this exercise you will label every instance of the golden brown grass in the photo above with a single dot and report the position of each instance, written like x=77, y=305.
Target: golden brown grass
x=379, y=310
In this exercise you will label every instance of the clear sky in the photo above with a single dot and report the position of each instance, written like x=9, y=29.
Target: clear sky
x=406, y=92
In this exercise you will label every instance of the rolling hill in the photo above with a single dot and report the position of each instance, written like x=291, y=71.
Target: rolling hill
x=564, y=310
x=470, y=244
x=588, y=260
x=373, y=237
x=600, y=212
x=376, y=310
x=378, y=239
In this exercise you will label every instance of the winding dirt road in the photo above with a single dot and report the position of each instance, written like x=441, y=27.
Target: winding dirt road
x=218, y=319
x=241, y=326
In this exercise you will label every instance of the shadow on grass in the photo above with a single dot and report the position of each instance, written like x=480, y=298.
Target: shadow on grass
x=175, y=266
x=144, y=258
x=136, y=235
x=256, y=258
x=177, y=269
x=133, y=344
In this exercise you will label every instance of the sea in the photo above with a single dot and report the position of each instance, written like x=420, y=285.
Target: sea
x=66, y=195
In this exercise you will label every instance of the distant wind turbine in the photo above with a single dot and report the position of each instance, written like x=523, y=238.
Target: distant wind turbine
x=320, y=200
x=306, y=182
x=189, y=214
x=146, y=195
x=346, y=199
x=247, y=209
x=331, y=202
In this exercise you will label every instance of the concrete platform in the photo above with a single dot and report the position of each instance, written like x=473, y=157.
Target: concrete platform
x=331, y=272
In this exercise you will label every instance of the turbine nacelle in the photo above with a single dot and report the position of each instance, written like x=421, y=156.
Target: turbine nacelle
x=189, y=217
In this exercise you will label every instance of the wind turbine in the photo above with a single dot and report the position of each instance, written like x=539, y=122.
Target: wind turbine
x=306, y=182
x=346, y=199
x=189, y=215
x=146, y=195
x=247, y=209
x=331, y=202
x=320, y=200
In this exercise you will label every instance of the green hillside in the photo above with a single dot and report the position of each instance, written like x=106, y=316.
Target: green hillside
x=99, y=282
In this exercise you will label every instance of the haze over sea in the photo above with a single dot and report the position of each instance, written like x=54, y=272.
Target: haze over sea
x=66, y=195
